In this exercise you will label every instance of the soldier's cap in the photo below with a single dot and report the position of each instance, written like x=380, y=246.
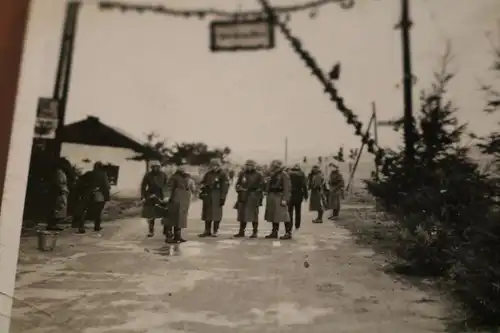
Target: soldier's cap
x=296, y=167
x=154, y=164
x=251, y=163
x=98, y=164
x=315, y=166
x=333, y=165
x=277, y=163
x=215, y=162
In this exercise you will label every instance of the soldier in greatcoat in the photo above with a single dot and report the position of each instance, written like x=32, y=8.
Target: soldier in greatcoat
x=278, y=195
x=59, y=192
x=249, y=186
x=299, y=194
x=153, y=185
x=336, y=185
x=181, y=188
x=214, y=188
x=316, y=184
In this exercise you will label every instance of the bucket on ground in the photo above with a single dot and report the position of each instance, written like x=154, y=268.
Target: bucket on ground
x=47, y=240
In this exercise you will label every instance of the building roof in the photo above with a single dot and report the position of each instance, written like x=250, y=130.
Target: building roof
x=91, y=131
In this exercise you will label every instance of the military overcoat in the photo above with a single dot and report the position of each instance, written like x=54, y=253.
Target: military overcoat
x=214, y=188
x=152, y=188
x=181, y=187
x=278, y=195
x=336, y=184
x=250, y=187
x=316, y=186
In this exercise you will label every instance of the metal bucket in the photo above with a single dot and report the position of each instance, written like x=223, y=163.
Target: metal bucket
x=47, y=240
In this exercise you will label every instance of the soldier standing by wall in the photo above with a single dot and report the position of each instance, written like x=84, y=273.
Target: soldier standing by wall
x=249, y=186
x=59, y=192
x=152, y=193
x=299, y=194
x=181, y=187
x=93, y=193
x=278, y=196
x=316, y=186
x=214, y=188
x=336, y=184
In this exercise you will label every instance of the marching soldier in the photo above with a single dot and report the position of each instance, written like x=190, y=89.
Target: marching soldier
x=250, y=186
x=181, y=187
x=278, y=196
x=299, y=194
x=152, y=187
x=336, y=184
x=214, y=188
x=316, y=186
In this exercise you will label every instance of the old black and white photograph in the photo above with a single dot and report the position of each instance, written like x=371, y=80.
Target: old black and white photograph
x=213, y=166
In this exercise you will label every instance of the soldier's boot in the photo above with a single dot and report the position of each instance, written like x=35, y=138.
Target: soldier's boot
x=97, y=224
x=255, y=229
x=320, y=217
x=151, y=227
x=169, y=236
x=241, y=232
x=53, y=225
x=216, y=229
x=208, y=230
x=178, y=236
x=274, y=232
x=288, y=231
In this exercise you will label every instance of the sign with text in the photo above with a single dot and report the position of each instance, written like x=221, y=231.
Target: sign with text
x=46, y=118
x=241, y=35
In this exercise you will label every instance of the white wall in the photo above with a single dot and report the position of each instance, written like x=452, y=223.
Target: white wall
x=130, y=173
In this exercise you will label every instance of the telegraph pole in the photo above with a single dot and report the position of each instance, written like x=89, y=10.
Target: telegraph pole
x=63, y=76
x=375, y=133
x=286, y=150
x=405, y=26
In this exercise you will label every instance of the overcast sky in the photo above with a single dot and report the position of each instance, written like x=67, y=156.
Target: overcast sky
x=147, y=72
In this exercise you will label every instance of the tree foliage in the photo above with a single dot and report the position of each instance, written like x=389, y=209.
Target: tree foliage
x=196, y=153
x=445, y=206
x=193, y=153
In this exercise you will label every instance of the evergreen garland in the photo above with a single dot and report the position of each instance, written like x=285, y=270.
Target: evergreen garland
x=329, y=88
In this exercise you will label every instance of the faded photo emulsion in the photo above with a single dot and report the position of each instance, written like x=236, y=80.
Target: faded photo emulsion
x=250, y=166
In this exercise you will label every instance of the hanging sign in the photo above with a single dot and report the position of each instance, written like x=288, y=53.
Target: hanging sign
x=241, y=35
x=46, y=118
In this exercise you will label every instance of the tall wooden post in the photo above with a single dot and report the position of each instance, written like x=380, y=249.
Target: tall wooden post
x=375, y=134
x=286, y=150
x=63, y=76
x=355, y=166
x=405, y=26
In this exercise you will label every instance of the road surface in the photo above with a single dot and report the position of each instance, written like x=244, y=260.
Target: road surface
x=122, y=282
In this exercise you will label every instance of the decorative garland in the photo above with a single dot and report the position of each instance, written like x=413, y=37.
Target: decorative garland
x=329, y=88
x=272, y=13
x=202, y=13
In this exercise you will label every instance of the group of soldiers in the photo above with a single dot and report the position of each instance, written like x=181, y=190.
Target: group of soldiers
x=88, y=195
x=281, y=189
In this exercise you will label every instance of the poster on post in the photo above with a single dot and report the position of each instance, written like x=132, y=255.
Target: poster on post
x=46, y=118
